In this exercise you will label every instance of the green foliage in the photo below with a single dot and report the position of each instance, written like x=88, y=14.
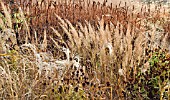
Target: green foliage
x=12, y=59
x=148, y=85
x=17, y=20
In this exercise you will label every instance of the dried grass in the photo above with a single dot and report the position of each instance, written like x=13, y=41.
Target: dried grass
x=69, y=53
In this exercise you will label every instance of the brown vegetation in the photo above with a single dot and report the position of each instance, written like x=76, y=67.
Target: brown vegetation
x=54, y=50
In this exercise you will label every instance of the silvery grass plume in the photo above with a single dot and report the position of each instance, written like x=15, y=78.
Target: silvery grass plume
x=85, y=36
x=67, y=63
x=110, y=47
x=64, y=25
x=48, y=66
x=64, y=64
x=76, y=62
x=44, y=64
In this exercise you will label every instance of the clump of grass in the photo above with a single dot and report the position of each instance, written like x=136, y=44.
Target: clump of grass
x=40, y=15
x=114, y=53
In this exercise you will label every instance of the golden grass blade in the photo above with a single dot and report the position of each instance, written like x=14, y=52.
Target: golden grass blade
x=44, y=43
x=75, y=34
x=68, y=34
x=2, y=25
x=61, y=20
x=92, y=33
x=23, y=18
x=58, y=46
x=56, y=32
x=7, y=15
x=61, y=40
x=36, y=38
